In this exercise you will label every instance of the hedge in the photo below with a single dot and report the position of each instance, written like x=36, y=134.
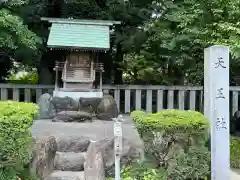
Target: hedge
x=15, y=136
x=141, y=172
x=176, y=141
x=187, y=123
x=235, y=152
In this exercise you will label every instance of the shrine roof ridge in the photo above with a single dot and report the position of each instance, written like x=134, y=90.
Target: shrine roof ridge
x=78, y=48
x=81, y=21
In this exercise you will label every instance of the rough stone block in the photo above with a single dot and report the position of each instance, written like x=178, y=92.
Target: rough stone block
x=94, y=165
x=72, y=144
x=44, y=151
x=69, y=161
x=72, y=116
x=64, y=104
x=107, y=108
x=46, y=110
x=66, y=175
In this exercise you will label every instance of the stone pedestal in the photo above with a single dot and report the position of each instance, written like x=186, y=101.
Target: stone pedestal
x=75, y=94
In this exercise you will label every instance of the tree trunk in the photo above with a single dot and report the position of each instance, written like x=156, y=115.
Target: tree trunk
x=45, y=69
x=45, y=76
x=107, y=61
x=118, y=74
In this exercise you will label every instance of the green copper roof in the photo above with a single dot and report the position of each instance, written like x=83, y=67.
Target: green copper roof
x=80, y=21
x=79, y=34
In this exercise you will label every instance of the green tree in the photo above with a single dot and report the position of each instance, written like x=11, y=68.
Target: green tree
x=126, y=37
x=173, y=53
x=17, y=42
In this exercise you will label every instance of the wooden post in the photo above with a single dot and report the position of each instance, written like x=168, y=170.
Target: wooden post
x=216, y=108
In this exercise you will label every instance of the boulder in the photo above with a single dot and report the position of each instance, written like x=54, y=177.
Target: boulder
x=46, y=110
x=107, y=108
x=69, y=161
x=89, y=104
x=94, y=164
x=64, y=104
x=44, y=151
x=72, y=116
x=72, y=144
x=130, y=152
x=66, y=175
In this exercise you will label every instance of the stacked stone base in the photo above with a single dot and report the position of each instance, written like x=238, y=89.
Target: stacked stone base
x=67, y=109
x=75, y=158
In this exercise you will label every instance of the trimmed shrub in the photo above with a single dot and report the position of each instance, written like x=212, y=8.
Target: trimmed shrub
x=142, y=172
x=235, y=152
x=194, y=163
x=175, y=137
x=15, y=137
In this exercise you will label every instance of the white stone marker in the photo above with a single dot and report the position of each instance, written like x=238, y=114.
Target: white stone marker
x=216, y=108
x=118, y=145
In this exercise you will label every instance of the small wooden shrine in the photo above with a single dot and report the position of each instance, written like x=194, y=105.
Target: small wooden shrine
x=82, y=40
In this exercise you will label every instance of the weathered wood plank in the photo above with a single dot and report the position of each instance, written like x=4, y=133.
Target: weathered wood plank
x=138, y=99
x=27, y=95
x=4, y=94
x=127, y=101
x=234, y=102
x=117, y=97
x=16, y=96
x=181, y=100
x=159, y=100
x=192, y=100
x=149, y=101
x=170, y=103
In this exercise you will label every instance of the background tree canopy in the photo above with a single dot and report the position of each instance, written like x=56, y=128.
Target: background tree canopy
x=17, y=42
x=158, y=42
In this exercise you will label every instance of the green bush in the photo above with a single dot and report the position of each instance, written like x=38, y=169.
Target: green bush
x=26, y=174
x=235, y=152
x=29, y=78
x=15, y=137
x=194, y=163
x=142, y=172
x=170, y=135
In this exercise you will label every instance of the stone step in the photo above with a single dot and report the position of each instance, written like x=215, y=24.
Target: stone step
x=72, y=143
x=66, y=175
x=69, y=161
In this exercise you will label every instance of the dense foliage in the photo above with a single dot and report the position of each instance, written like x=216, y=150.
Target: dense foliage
x=27, y=78
x=174, y=48
x=158, y=42
x=142, y=172
x=175, y=140
x=17, y=42
x=15, y=137
x=235, y=152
